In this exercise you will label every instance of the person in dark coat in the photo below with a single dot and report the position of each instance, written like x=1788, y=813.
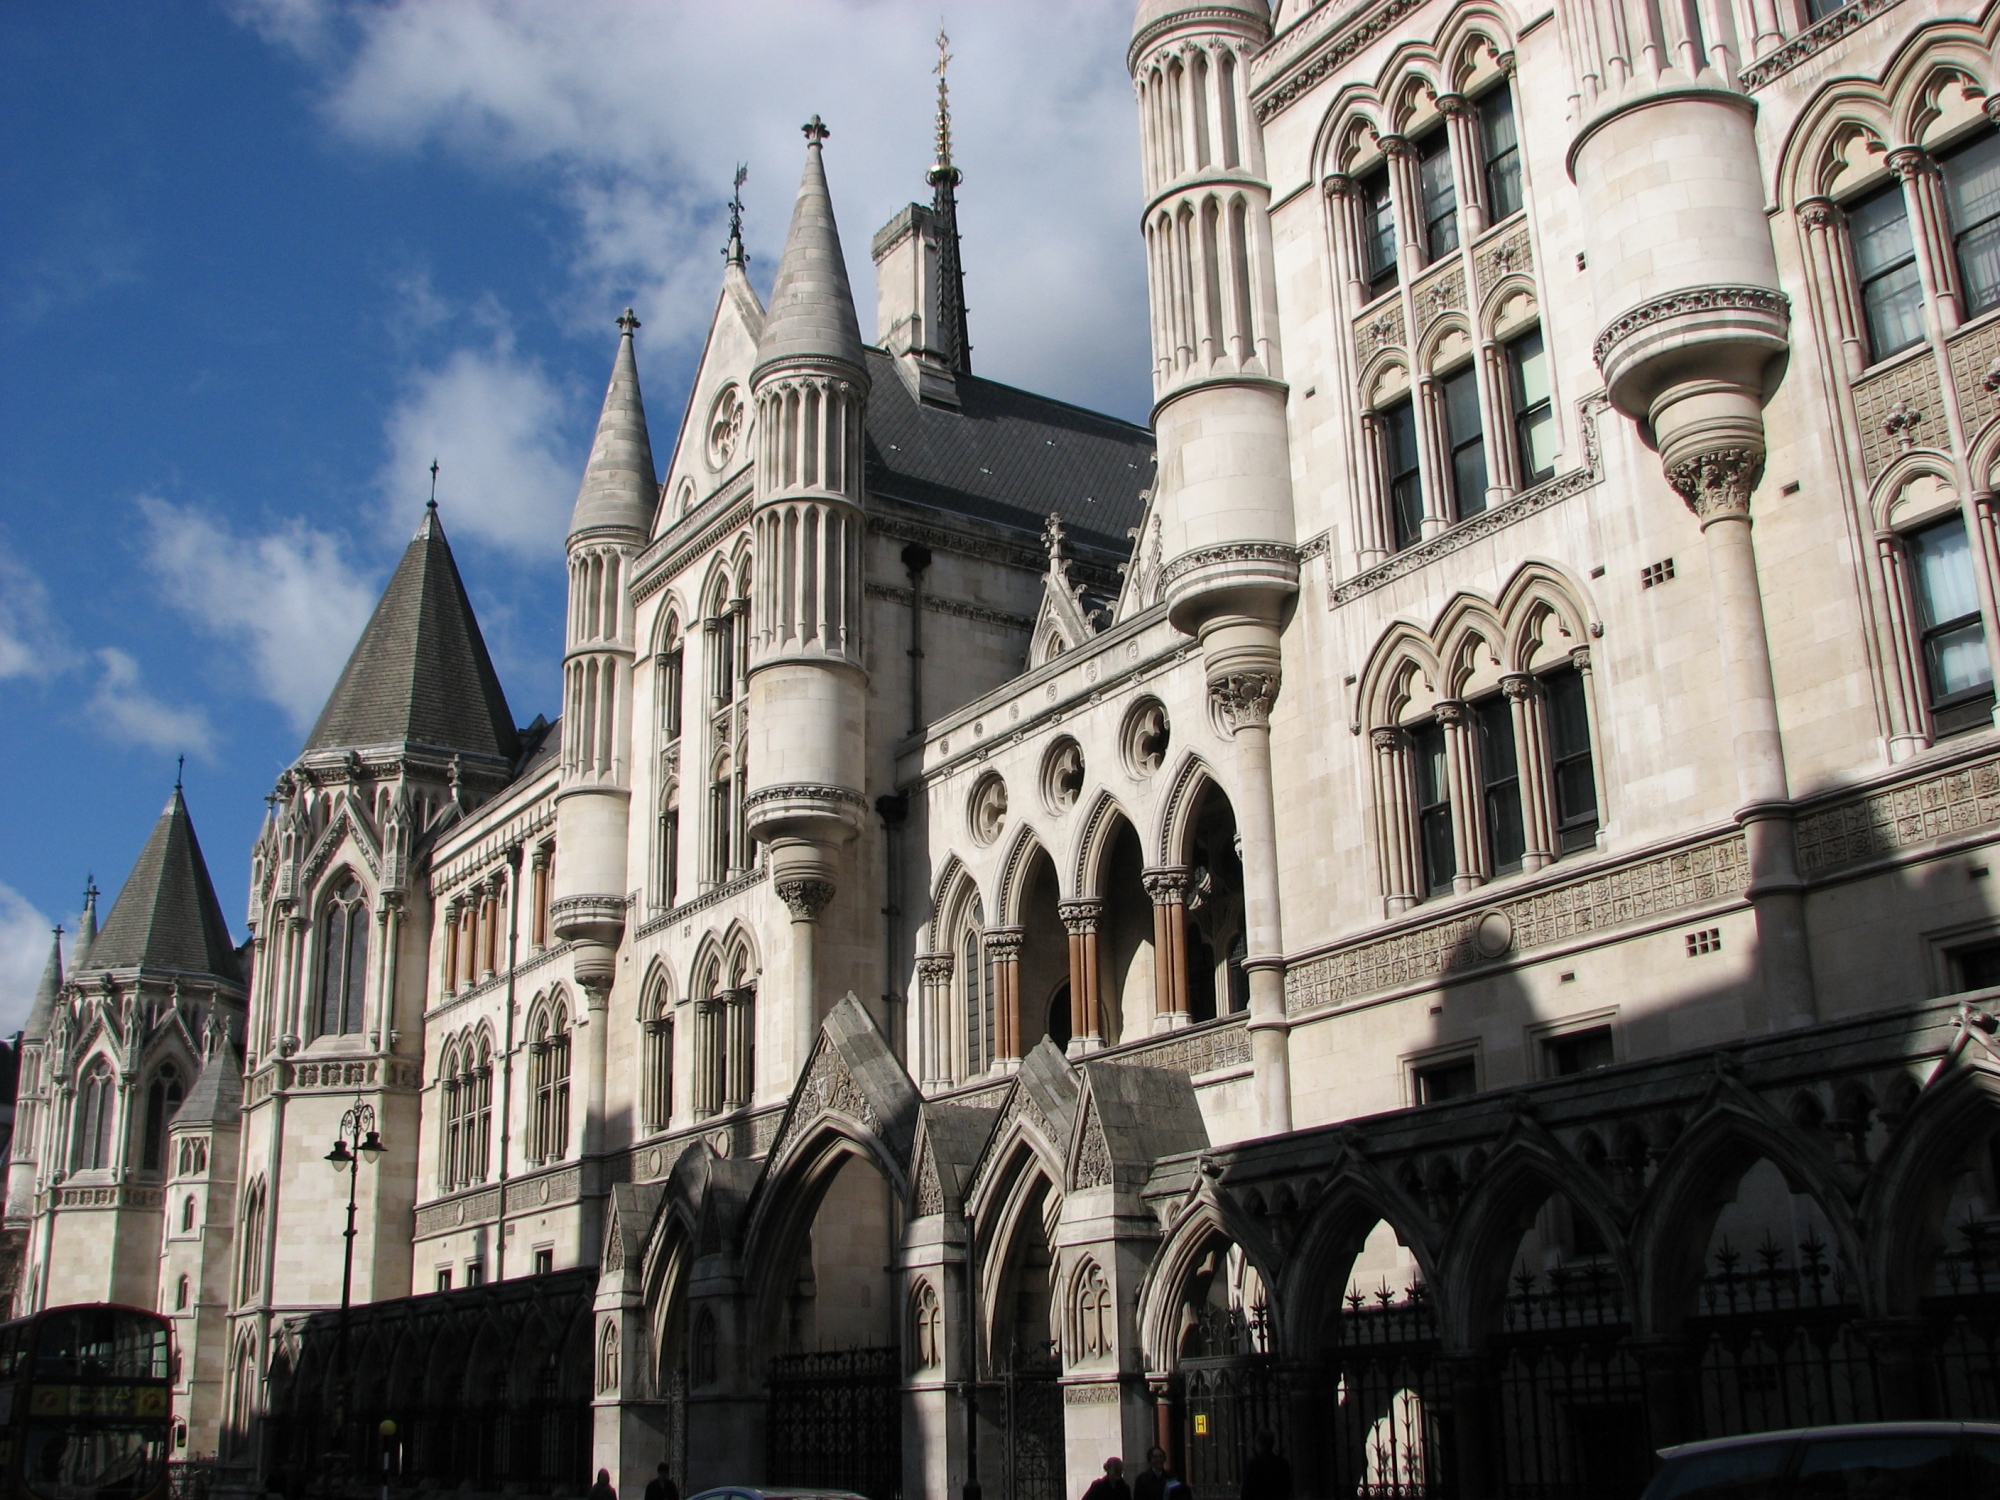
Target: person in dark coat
x=602, y=1490
x=662, y=1487
x=1112, y=1486
x=1267, y=1476
x=1153, y=1481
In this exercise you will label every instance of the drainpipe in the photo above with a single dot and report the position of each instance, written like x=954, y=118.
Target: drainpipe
x=917, y=560
x=893, y=809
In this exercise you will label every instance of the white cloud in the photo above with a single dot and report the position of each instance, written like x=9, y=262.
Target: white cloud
x=289, y=600
x=24, y=951
x=31, y=643
x=638, y=114
x=122, y=707
x=498, y=428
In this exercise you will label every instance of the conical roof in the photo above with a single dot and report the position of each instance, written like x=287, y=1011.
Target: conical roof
x=811, y=316
x=167, y=916
x=217, y=1095
x=420, y=675
x=45, y=993
x=620, y=488
x=86, y=926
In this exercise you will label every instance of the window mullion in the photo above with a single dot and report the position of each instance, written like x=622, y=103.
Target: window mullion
x=1531, y=750
x=1397, y=854
x=1918, y=173
x=1433, y=455
x=1468, y=164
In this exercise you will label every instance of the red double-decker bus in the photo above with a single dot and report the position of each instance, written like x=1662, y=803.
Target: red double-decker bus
x=86, y=1403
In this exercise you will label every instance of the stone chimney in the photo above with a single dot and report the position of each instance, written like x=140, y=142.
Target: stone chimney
x=907, y=323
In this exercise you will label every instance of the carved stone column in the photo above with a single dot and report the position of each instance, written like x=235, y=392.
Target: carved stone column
x=1819, y=227
x=707, y=1080
x=1003, y=946
x=1462, y=125
x=1923, y=195
x=1531, y=753
x=805, y=897
x=1167, y=885
x=1244, y=697
x=739, y=1010
x=934, y=998
x=1468, y=825
x=1395, y=831
x=1080, y=919
x=1909, y=721
x=1717, y=485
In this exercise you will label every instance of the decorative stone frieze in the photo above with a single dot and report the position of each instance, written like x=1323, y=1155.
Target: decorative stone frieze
x=1093, y=1156
x=1443, y=292
x=1975, y=370
x=1346, y=35
x=1699, y=876
x=1756, y=303
x=1962, y=799
x=1809, y=43
x=1502, y=257
x=1377, y=330
x=1201, y=1050
x=1911, y=386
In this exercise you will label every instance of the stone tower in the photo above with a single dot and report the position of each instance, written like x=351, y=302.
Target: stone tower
x=807, y=682
x=1694, y=344
x=1224, y=493
x=614, y=513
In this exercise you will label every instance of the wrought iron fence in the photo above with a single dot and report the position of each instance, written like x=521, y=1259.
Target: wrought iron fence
x=191, y=1478
x=1033, y=1414
x=835, y=1421
x=1231, y=1390
x=1392, y=1434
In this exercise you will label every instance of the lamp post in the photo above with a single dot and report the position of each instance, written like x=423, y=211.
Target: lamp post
x=357, y=1139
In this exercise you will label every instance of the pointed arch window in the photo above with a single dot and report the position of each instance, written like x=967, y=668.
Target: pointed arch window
x=343, y=971
x=250, y=1263
x=926, y=1328
x=479, y=1113
x=1971, y=175
x=548, y=1068
x=976, y=975
x=658, y=1030
x=187, y=1214
x=451, y=1147
x=95, y=1105
x=163, y=1102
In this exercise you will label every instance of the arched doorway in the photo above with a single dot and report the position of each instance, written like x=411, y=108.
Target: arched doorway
x=1231, y=1391
x=1217, y=984
x=1023, y=1347
x=833, y=1379
x=1044, y=950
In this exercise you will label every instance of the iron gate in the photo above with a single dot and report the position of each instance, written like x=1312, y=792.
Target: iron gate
x=1392, y=1433
x=1572, y=1403
x=1034, y=1423
x=1231, y=1390
x=835, y=1421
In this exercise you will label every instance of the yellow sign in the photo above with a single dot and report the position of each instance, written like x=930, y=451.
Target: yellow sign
x=99, y=1401
x=1201, y=1424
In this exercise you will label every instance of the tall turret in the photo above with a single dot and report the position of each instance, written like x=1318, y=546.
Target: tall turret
x=1224, y=495
x=614, y=512
x=1692, y=344
x=32, y=1092
x=807, y=684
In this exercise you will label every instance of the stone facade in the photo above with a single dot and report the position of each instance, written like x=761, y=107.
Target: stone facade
x=1473, y=836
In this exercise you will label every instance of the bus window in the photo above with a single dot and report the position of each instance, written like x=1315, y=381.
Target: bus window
x=92, y=1343
x=71, y=1461
x=10, y=1352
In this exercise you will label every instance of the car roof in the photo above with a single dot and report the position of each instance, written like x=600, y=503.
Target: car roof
x=782, y=1492
x=1845, y=1430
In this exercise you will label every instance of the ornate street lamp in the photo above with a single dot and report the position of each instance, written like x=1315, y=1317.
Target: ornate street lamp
x=357, y=1139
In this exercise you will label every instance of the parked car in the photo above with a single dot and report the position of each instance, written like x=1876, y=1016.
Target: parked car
x=778, y=1492
x=1864, y=1461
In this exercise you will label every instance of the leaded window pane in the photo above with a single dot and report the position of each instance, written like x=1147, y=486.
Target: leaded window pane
x=1500, y=143
x=1439, y=196
x=1534, y=413
x=1465, y=432
x=1427, y=750
x=1972, y=198
x=1885, y=260
x=1499, y=769
x=1378, y=232
x=1406, y=491
x=1570, y=760
x=1957, y=667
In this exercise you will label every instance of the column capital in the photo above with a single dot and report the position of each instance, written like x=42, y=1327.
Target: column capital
x=1388, y=739
x=1717, y=484
x=1004, y=943
x=1452, y=712
x=934, y=968
x=1909, y=162
x=1081, y=915
x=1337, y=185
x=1166, y=884
x=1245, y=698
x=1520, y=686
x=1396, y=147
x=805, y=896
x=1818, y=214
x=1455, y=106
x=1579, y=657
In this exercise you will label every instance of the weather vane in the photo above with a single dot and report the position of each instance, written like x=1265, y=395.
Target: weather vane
x=180, y=765
x=733, y=251
x=943, y=102
x=434, y=484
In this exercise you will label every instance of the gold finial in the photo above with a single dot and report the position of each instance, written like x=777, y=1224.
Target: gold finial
x=943, y=163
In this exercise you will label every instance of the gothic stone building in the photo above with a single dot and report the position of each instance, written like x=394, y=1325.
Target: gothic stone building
x=1436, y=904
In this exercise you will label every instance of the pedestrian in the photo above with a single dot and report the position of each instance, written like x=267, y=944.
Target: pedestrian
x=602, y=1490
x=1267, y=1476
x=1111, y=1487
x=661, y=1486
x=1153, y=1483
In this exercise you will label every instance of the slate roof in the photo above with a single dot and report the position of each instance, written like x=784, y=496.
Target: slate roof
x=44, y=1007
x=420, y=675
x=619, y=489
x=811, y=313
x=167, y=917
x=217, y=1095
x=1008, y=457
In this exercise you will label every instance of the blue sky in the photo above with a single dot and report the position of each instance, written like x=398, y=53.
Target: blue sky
x=261, y=260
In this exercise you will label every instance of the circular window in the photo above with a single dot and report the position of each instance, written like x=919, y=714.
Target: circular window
x=987, y=812
x=1062, y=775
x=1145, y=738
x=725, y=426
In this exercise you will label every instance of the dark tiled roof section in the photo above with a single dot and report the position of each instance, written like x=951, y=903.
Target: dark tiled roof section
x=217, y=1095
x=420, y=674
x=1008, y=457
x=167, y=917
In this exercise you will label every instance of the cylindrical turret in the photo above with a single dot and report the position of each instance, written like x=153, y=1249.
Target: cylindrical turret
x=614, y=512
x=1692, y=344
x=807, y=684
x=1224, y=489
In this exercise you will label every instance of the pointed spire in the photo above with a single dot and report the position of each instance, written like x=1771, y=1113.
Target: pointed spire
x=811, y=316
x=44, y=1005
x=953, y=339
x=620, y=489
x=167, y=917
x=420, y=675
x=86, y=927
